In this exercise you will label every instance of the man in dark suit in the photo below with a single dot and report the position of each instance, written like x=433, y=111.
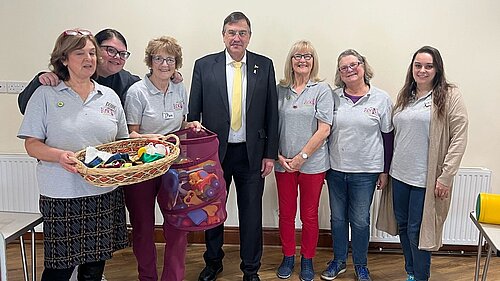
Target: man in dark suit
x=233, y=93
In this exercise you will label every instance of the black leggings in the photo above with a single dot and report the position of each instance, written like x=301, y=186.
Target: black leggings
x=91, y=271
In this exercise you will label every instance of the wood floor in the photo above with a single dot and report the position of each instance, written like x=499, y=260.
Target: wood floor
x=385, y=266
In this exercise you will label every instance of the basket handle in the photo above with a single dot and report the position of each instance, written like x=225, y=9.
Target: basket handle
x=80, y=167
x=169, y=136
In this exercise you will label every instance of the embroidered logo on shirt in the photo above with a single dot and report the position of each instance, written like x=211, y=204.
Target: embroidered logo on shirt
x=371, y=111
x=108, y=109
x=310, y=102
x=179, y=105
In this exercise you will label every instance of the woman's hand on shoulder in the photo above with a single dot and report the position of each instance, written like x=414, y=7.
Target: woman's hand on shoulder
x=49, y=79
x=177, y=77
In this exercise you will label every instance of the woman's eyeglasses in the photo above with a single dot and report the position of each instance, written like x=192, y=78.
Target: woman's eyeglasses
x=160, y=60
x=300, y=56
x=351, y=66
x=112, y=52
x=75, y=32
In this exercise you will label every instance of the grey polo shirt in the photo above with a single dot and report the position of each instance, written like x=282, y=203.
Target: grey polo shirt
x=58, y=116
x=411, y=142
x=154, y=111
x=298, y=121
x=356, y=144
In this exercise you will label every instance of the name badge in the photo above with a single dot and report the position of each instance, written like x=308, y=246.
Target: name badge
x=167, y=115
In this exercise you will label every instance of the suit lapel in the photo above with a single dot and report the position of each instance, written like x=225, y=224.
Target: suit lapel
x=252, y=70
x=219, y=71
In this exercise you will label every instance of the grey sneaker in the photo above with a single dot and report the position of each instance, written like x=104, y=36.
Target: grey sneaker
x=362, y=273
x=333, y=270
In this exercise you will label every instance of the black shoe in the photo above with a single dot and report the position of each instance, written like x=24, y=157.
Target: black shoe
x=209, y=273
x=253, y=277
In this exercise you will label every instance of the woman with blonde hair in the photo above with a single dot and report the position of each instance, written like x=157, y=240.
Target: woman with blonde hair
x=305, y=105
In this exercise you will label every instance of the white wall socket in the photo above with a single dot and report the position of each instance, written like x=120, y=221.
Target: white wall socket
x=15, y=87
x=3, y=87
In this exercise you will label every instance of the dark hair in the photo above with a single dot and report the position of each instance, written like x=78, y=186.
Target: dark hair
x=236, y=17
x=109, y=33
x=440, y=86
x=66, y=44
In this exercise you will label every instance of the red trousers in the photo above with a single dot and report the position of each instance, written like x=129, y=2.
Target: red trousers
x=289, y=185
x=140, y=200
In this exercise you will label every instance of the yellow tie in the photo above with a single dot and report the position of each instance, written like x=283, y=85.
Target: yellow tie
x=236, y=100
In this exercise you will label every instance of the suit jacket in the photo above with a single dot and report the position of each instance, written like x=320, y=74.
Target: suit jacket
x=208, y=103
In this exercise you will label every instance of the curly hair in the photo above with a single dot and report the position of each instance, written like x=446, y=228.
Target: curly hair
x=165, y=44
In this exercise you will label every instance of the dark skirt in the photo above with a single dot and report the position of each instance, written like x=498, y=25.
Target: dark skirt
x=82, y=230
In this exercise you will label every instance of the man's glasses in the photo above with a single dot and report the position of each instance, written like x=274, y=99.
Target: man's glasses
x=300, y=56
x=160, y=60
x=112, y=52
x=351, y=66
x=75, y=32
x=233, y=33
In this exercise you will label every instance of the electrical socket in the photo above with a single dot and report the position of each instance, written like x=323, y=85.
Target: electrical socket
x=3, y=87
x=15, y=87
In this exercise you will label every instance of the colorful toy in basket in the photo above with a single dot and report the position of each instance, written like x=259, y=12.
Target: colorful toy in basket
x=194, y=191
x=128, y=174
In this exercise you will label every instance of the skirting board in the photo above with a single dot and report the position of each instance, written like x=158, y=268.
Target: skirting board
x=271, y=238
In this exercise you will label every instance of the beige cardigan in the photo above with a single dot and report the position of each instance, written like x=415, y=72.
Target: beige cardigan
x=448, y=139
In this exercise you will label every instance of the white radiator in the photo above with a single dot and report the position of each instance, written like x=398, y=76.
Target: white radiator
x=458, y=228
x=18, y=187
x=19, y=192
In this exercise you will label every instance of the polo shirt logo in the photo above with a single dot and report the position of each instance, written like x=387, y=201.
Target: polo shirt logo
x=108, y=109
x=310, y=102
x=371, y=111
x=179, y=105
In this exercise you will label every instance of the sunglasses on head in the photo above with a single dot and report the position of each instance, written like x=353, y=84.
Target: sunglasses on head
x=75, y=32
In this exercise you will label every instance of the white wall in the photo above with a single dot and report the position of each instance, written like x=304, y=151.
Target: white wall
x=386, y=31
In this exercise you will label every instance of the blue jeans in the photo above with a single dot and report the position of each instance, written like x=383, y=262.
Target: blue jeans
x=408, y=203
x=351, y=196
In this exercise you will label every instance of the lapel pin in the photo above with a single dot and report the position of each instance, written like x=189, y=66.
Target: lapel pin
x=60, y=104
x=255, y=67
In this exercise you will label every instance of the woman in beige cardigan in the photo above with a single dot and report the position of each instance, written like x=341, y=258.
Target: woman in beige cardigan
x=430, y=122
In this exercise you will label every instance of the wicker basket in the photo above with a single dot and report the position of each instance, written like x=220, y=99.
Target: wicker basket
x=106, y=177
